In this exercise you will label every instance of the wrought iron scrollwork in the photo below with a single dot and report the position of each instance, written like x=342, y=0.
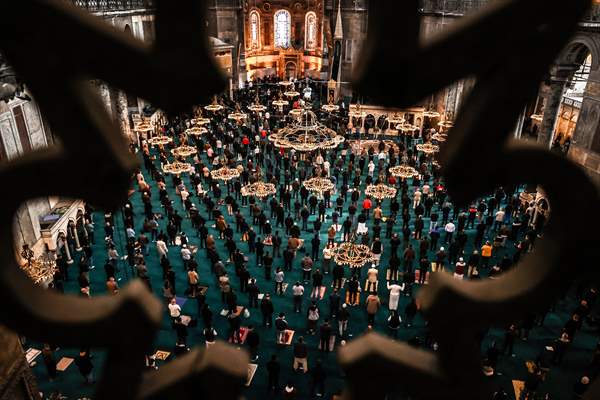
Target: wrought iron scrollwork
x=55, y=53
x=508, y=47
x=61, y=47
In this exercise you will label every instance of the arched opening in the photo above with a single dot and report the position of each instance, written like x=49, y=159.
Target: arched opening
x=128, y=29
x=254, y=30
x=282, y=29
x=572, y=101
x=290, y=70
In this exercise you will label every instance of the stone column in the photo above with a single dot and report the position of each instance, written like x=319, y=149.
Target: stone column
x=67, y=250
x=73, y=227
x=554, y=95
x=520, y=124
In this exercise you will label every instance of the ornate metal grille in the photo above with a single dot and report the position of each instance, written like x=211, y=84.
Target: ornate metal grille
x=53, y=62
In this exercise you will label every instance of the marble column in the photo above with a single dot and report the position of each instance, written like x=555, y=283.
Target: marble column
x=555, y=91
x=66, y=247
x=73, y=227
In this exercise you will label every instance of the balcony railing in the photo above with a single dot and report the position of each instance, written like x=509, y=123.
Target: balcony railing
x=456, y=7
x=592, y=15
x=113, y=5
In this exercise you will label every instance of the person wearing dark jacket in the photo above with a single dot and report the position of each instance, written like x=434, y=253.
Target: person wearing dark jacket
x=85, y=366
x=267, y=310
x=318, y=380
x=273, y=369
x=300, y=356
x=253, y=340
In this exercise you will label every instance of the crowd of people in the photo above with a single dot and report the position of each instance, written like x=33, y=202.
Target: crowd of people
x=271, y=260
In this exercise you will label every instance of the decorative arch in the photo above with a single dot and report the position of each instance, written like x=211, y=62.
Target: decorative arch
x=282, y=29
x=254, y=30
x=310, y=31
x=128, y=29
x=578, y=49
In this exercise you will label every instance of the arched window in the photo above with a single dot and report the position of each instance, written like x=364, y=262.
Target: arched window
x=254, y=30
x=282, y=30
x=310, y=31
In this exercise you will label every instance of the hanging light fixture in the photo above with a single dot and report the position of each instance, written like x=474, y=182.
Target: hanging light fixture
x=237, y=115
x=256, y=106
x=259, y=189
x=404, y=171
x=306, y=134
x=184, y=151
x=159, y=140
x=225, y=174
x=214, y=106
x=40, y=270
x=177, y=168
x=380, y=191
x=352, y=254
x=318, y=185
x=428, y=148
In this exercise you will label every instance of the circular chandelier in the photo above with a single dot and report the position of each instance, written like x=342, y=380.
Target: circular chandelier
x=318, y=185
x=295, y=113
x=306, y=134
x=396, y=119
x=40, y=270
x=406, y=127
x=428, y=148
x=431, y=114
x=446, y=124
x=380, y=191
x=184, y=151
x=404, y=171
x=225, y=174
x=214, y=106
x=355, y=111
x=439, y=137
x=259, y=189
x=256, y=106
x=330, y=107
x=537, y=117
x=280, y=102
x=196, y=130
x=291, y=94
x=285, y=83
x=177, y=168
x=199, y=119
x=143, y=126
x=352, y=254
x=159, y=140
x=237, y=115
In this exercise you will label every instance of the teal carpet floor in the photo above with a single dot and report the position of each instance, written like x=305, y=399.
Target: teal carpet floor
x=70, y=383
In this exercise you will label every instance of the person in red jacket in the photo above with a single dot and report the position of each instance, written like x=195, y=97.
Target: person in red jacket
x=367, y=204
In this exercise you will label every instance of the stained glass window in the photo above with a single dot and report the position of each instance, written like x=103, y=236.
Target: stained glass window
x=310, y=36
x=282, y=29
x=254, y=30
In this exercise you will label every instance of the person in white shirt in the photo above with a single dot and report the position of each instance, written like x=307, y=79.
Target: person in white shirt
x=372, y=279
x=449, y=228
x=326, y=166
x=298, y=292
x=184, y=195
x=395, y=291
x=161, y=248
x=279, y=277
x=174, y=309
x=499, y=218
x=186, y=256
x=417, y=198
x=130, y=233
x=371, y=168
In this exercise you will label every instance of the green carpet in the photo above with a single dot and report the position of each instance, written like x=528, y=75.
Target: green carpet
x=71, y=384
